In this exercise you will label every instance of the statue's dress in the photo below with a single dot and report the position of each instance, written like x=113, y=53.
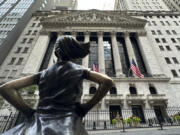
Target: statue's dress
x=60, y=88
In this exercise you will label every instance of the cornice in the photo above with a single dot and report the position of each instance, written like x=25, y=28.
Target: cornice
x=91, y=18
x=145, y=79
x=131, y=13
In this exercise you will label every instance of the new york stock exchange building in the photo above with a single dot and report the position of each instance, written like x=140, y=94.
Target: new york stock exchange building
x=115, y=39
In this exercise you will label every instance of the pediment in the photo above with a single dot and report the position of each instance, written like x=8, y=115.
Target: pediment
x=95, y=18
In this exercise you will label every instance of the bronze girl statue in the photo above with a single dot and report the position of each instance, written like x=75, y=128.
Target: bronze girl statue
x=59, y=110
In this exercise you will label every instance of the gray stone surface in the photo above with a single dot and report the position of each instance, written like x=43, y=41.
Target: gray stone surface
x=148, y=131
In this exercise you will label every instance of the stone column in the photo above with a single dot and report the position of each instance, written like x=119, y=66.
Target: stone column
x=116, y=55
x=85, y=61
x=129, y=47
x=101, y=53
x=35, y=59
x=73, y=34
x=101, y=61
x=148, y=55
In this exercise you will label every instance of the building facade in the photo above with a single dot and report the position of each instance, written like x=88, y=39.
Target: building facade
x=65, y=4
x=174, y=5
x=14, y=15
x=150, y=36
x=140, y=5
x=151, y=39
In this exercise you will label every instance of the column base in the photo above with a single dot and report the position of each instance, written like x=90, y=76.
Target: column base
x=120, y=75
x=159, y=75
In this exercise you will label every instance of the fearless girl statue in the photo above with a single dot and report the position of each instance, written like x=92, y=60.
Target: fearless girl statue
x=59, y=111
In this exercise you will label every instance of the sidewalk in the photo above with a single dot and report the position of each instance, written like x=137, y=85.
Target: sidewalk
x=142, y=131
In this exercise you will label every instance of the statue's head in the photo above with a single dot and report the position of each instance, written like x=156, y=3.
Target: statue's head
x=68, y=48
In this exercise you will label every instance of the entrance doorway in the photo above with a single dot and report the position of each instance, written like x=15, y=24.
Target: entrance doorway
x=138, y=112
x=114, y=111
x=160, y=113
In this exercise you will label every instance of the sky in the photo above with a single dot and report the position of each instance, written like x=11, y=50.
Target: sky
x=96, y=4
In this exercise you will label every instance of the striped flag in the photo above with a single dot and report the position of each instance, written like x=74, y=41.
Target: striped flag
x=135, y=69
x=95, y=67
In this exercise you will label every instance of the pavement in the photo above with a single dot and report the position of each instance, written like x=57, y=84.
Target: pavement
x=141, y=131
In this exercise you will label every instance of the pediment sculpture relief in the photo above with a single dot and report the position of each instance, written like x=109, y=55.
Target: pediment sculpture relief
x=94, y=17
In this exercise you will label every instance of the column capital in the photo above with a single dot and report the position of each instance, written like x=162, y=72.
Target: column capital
x=44, y=32
x=73, y=33
x=60, y=33
x=142, y=33
x=113, y=33
x=86, y=33
x=100, y=33
x=126, y=34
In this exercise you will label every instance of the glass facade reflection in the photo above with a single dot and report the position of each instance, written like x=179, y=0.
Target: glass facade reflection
x=108, y=57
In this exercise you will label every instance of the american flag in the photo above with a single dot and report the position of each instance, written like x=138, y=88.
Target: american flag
x=135, y=69
x=95, y=67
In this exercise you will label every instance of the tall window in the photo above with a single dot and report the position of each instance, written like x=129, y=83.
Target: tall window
x=162, y=23
x=159, y=32
x=157, y=40
x=19, y=61
x=35, y=32
x=113, y=90
x=30, y=40
x=168, y=32
x=25, y=50
x=174, y=73
x=167, y=60
x=153, y=32
x=163, y=40
x=33, y=24
x=132, y=90
x=176, y=23
x=123, y=55
x=175, y=60
x=18, y=50
x=108, y=57
x=92, y=90
x=168, y=23
x=24, y=40
x=152, y=90
x=168, y=48
x=173, y=40
x=174, y=32
x=93, y=56
x=178, y=47
x=154, y=23
x=12, y=61
x=161, y=48
x=29, y=32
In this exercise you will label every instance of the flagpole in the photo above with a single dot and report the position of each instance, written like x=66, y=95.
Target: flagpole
x=129, y=71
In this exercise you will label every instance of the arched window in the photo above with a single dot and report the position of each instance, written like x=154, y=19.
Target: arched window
x=132, y=90
x=152, y=90
x=113, y=90
x=92, y=90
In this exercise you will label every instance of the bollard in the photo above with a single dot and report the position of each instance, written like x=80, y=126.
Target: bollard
x=161, y=125
x=105, y=126
x=123, y=126
x=94, y=125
